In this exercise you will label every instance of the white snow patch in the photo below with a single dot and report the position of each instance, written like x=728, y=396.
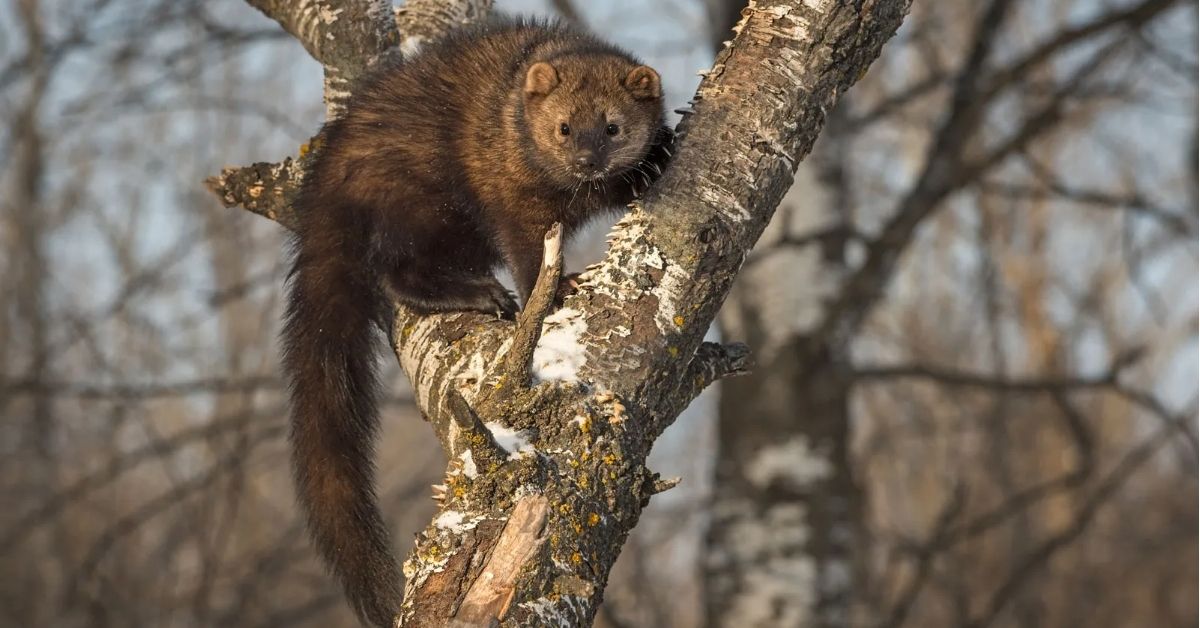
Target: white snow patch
x=449, y=519
x=792, y=462
x=469, y=468
x=654, y=258
x=560, y=613
x=515, y=442
x=456, y=522
x=560, y=352
x=417, y=571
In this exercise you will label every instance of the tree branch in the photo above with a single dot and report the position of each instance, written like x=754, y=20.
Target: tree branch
x=529, y=323
x=263, y=188
x=421, y=21
x=345, y=36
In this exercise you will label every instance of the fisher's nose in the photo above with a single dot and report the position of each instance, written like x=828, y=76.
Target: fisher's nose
x=587, y=160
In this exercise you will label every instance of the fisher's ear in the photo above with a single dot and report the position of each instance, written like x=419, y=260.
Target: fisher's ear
x=541, y=79
x=643, y=83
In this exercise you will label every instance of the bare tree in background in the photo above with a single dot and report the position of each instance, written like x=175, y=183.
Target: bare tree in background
x=142, y=470
x=984, y=101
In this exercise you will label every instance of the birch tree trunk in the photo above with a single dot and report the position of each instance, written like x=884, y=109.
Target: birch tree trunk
x=786, y=511
x=547, y=422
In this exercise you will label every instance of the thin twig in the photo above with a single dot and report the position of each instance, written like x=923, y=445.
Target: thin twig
x=529, y=323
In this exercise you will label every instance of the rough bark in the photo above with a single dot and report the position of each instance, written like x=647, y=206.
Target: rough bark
x=545, y=482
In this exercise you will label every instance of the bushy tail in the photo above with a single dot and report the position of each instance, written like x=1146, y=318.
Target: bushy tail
x=329, y=344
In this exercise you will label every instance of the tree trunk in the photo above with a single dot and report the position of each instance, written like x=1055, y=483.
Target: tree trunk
x=786, y=510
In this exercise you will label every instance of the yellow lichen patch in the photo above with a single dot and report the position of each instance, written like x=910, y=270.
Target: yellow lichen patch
x=587, y=455
x=585, y=424
x=582, y=481
x=678, y=320
x=577, y=558
x=674, y=351
x=577, y=527
x=407, y=331
x=593, y=519
x=609, y=459
x=564, y=509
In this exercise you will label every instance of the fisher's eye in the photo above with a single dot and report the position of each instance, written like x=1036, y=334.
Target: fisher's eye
x=612, y=129
x=564, y=129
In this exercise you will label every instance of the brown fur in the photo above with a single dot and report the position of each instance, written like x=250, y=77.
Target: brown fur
x=445, y=165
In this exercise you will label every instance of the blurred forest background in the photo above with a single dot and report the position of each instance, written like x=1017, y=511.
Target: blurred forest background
x=975, y=318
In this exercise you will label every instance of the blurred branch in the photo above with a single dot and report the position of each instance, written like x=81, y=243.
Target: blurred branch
x=891, y=105
x=1131, y=17
x=994, y=383
x=833, y=238
x=948, y=168
x=117, y=466
x=1024, y=499
x=1107, y=382
x=568, y=11
x=946, y=534
x=926, y=555
x=1021, y=575
x=131, y=522
x=1096, y=199
x=129, y=392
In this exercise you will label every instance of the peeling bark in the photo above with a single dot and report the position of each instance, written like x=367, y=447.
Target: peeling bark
x=578, y=441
